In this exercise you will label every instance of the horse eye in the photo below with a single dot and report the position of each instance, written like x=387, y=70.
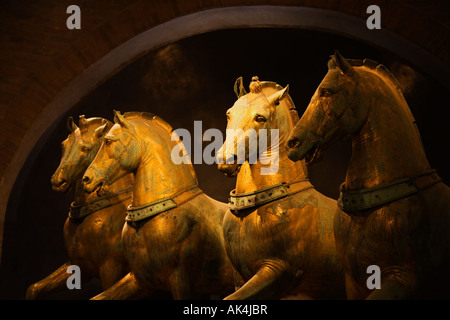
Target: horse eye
x=228, y=117
x=108, y=142
x=260, y=119
x=85, y=149
x=325, y=92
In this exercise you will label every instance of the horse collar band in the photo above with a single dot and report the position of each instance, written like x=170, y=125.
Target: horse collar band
x=355, y=202
x=161, y=205
x=77, y=211
x=240, y=201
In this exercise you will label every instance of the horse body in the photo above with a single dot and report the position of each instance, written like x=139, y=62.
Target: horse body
x=92, y=240
x=405, y=235
x=407, y=239
x=94, y=243
x=284, y=247
x=180, y=250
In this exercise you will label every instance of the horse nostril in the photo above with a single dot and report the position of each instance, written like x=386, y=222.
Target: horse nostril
x=293, y=143
x=86, y=179
x=58, y=182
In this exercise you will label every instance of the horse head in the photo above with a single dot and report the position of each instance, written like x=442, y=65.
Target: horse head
x=137, y=142
x=78, y=150
x=338, y=109
x=259, y=111
x=118, y=155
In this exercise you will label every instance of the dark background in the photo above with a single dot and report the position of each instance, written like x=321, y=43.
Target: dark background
x=193, y=80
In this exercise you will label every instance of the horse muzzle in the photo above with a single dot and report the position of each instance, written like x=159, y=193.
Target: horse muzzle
x=230, y=170
x=60, y=185
x=299, y=150
x=90, y=183
x=60, y=182
x=228, y=164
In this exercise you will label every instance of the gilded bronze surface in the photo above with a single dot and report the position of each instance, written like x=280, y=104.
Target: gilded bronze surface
x=180, y=250
x=284, y=247
x=407, y=238
x=92, y=242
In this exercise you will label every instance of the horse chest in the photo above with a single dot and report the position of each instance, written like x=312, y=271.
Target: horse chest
x=155, y=247
x=385, y=238
x=258, y=237
x=93, y=237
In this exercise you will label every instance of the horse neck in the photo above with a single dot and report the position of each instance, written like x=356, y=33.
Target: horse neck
x=388, y=147
x=250, y=177
x=118, y=187
x=157, y=177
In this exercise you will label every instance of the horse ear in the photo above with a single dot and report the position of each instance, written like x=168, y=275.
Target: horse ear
x=276, y=97
x=239, y=88
x=82, y=122
x=71, y=124
x=120, y=120
x=343, y=64
x=101, y=131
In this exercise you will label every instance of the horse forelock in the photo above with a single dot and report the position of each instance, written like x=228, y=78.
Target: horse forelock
x=260, y=92
x=91, y=124
x=97, y=120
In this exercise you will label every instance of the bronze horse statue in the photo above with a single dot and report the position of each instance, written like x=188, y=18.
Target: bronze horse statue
x=278, y=229
x=92, y=231
x=396, y=210
x=173, y=232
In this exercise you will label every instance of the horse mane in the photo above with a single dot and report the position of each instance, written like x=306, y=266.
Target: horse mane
x=292, y=110
x=375, y=66
x=162, y=123
x=149, y=116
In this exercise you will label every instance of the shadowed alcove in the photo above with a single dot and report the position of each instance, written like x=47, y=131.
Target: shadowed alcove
x=189, y=79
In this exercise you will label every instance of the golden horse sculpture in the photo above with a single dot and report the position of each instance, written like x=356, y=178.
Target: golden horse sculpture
x=173, y=231
x=92, y=231
x=278, y=229
x=397, y=210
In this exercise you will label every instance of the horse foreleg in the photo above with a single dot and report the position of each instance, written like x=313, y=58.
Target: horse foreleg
x=56, y=281
x=397, y=283
x=180, y=285
x=126, y=288
x=270, y=282
x=111, y=272
x=391, y=289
